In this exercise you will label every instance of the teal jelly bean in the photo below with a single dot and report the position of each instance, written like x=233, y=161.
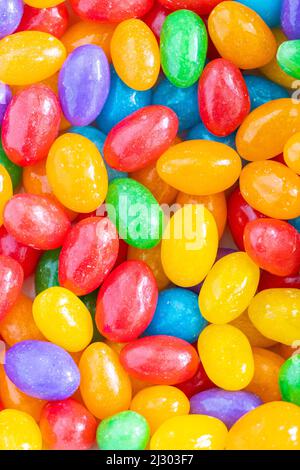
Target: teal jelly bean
x=183, y=47
x=14, y=171
x=289, y=380
x=135, y=212
x=200, y=132
x=46, y=274
x=288, y=57
x=90, y=301
x=295, y=223
x=124, y=431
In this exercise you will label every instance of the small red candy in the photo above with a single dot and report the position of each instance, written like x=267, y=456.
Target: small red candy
x=198, y=383
x=53, y=20
x=11, y=281
x=155, y=18
x=202, y=7
x=112, y=11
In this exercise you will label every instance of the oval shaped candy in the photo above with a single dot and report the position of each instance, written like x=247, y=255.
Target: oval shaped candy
x=202, y=7
x=11, y=12
x=290, y=18
x=111, y=10
x=261, y=90
x=288, y=57
x=289, y=382
x=19, y=431
x=52, y=20
x=291, y=155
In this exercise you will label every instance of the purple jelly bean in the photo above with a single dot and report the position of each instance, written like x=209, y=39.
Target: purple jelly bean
x=83, y=84
x=290, y=18
x=42, y=370
x=11, y=12
x=224, y=405
x=5, y=97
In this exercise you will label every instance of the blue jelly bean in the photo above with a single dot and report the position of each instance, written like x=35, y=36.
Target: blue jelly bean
x=295, y=223
x=11, y=12
x=42, y=370
x=5, y=97
x=200, y=132
x=177, y=314
x=261, y=90
x=121, y=102
x=269, y=10
x=183, y=101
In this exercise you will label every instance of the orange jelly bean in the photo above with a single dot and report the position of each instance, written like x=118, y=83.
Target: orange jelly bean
x=255, y=338
x=152, y=257
x=291, y=153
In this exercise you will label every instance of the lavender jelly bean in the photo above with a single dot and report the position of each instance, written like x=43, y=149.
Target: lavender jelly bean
x=5, y=97
x=11, y=12
x=290, y=18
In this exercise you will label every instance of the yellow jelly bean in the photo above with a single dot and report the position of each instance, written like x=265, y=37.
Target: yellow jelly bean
x=226, y=355
x=29, y=57
x=189, y=245
x=135, y=54
x=6, y=190
x=291, y=153
x=19, y=431
x=276, y=314
x=76, y=173
x=200, y=167
x=43, y=3
x=63, y=318
x=256, y=339
x=228, y=288
x=193, y=432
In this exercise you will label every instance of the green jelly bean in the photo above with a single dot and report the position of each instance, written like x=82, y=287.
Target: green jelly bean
x=135, y=212
x=289, y=380
x=288, y=57
x=14, y=171
x=183, y=47
x=124, y=431
x=46, y=274
x=90, y=301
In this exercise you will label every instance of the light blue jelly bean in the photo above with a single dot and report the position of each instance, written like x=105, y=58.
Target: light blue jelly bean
x=295, y=223
x=261, y=90
x=200, y=132
x=177, y=314
x=269, y=10
x=183, y=101
x=121, y=102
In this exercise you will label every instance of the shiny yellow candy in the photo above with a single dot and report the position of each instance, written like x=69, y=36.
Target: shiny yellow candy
x=19, y=431
x=6, y=190
x=43, y=3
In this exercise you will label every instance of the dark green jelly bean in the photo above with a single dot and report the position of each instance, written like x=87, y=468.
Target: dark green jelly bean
x=135, y=212
x=289, y=380
x=288, y=57
x=46, y=274
x=183, y=47
x=14, y=171
x=90, y=301
x=124, y=431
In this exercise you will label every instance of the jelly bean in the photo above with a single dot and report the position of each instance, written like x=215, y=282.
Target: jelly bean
x=67, y=425
x=284, y=351
x=11, y=12
x=265, y=379
x=202, y=7
x=35, y=221
x=291, y=153
x=135, y=212
x=76, y=173
x=177, y=314
x=183, y=101
x=13, y=398
x=223, y=97
x=271, y=188
x=6, y=190
x=228, y=407
x=105, y=386
x=261, y=90
x=152, y=257
x=63, y=319
x=14, y=171
x=135, y=54
x=5, y=97
x=159, y=403
x=197, y=383
x=88, y=254
x=11, y=280
x=46, y=274
x=111, y=10
x=30, y=125
x=269, y=10
x=269, y=281
x=125, y=150
x=273, y=245
x=276, y=313
x=199, y=167
x=27, y=257
x=200, y=132
x=19, y=431
x=43, y=3
x=295, y=223
x=29, y=57
x=228, y=288
x=272, y=426
x=42, y=370
x=289, y=380
x=247, y=47
x=19, y=324
x=155, y=19
x=226, y=355
x=126, y=302
x=82, y=99
x=290, y=17
x=53, y=20
x=288, y=57
x=256, y=339
x=182, y=64
x=192, y=235
x=162, y=360
x=193, y=432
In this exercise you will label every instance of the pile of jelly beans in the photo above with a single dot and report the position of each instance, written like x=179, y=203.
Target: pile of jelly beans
x=149, y=224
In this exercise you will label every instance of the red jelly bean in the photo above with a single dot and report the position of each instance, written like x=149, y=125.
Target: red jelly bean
x=239, y=213
x=161, y=360
x=25, y=255
x=53, y=20
x=270, y=281
x=223, y=97
x=67, y=425
x=202, y=7
x=36, y=221
x=111, y=10
x=88, y=254
x=140, y=138
x=155, y=18
x=198, y=383
x=274, y=245
x=126, y=302
x=11, y=280
x=30, y=125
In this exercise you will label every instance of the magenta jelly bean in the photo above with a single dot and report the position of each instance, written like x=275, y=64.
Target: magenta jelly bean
x=11, y=280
